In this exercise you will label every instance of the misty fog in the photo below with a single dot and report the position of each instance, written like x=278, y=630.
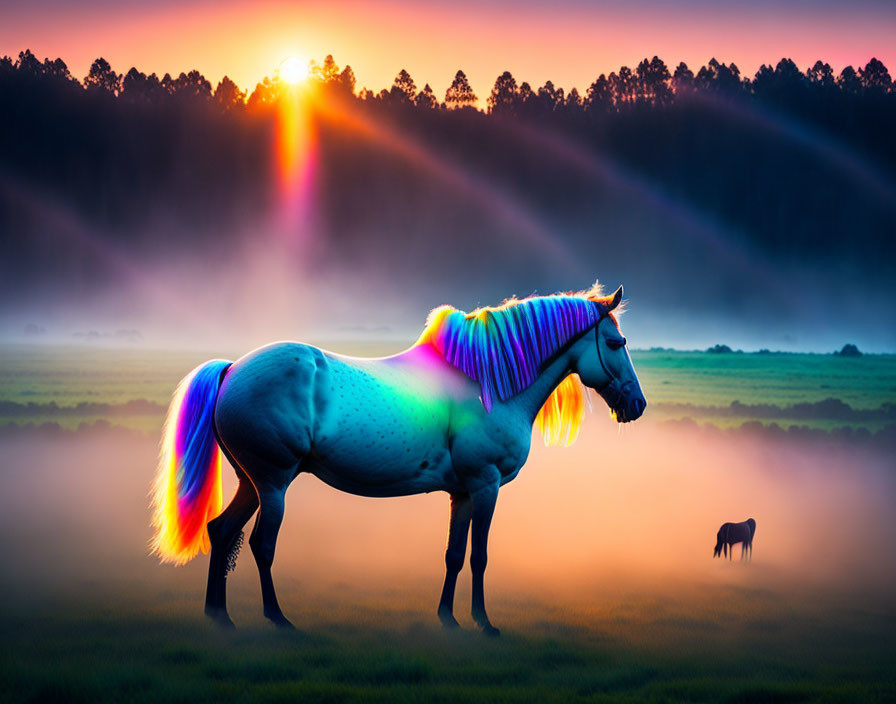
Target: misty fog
x=626, y=511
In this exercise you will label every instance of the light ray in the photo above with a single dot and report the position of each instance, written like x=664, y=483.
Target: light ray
x=477, y=189
x=823, y=145
x=296, y=153
x=693, y=223
x=64, y=222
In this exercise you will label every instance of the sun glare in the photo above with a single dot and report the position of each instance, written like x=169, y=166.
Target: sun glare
x=293, y=71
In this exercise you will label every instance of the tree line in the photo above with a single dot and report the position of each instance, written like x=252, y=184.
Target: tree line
x=794, y=167
x=650, y=83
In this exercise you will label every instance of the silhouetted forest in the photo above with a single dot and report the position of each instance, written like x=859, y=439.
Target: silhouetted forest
x=792, y=167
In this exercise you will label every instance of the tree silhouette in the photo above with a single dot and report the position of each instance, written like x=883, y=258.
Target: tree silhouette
x=328, y=72
x=653, y=82
x=229, y=96
x=102, y=77
x=29, y=65
x=459, y=93
x=549, y=98
x=682, y=79
x=191, y=86
x=622, y=86
x=137, y=86
x=875, y=77
x=821, y=74
x=599, y=98
x=785, y=86
x=265, y=94
x=717, y=77
x=848, y=81
x=526, y=100
x=573, y=102
x=504, y=95
x=346, y=80
x=426, y=99
x=59, y=71
x=403, y=90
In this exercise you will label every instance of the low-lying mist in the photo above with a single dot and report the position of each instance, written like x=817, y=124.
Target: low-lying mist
x=625, y=511
x=267, y=289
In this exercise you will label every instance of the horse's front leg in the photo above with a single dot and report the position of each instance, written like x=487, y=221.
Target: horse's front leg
x=458, y=529
x=484, y=492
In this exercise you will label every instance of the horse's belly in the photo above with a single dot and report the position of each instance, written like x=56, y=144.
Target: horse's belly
x=382, y=476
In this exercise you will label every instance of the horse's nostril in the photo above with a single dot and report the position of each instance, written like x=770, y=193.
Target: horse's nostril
x=637, y=406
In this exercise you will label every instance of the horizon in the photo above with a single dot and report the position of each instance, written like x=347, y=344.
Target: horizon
x=134, y=340
x=481, y=96
x=247, y=42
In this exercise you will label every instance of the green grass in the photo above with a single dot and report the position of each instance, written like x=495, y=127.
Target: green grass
x=71, y=375
x=780, y=379
x=748, y=651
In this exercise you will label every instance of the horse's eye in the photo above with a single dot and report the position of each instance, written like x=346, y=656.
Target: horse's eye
x=614, y=343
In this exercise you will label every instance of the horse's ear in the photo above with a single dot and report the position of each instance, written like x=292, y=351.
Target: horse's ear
x=617, y=299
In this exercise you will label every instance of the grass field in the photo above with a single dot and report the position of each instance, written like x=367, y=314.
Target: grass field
x=751, y=646
x=704, y=382
x=600, y=574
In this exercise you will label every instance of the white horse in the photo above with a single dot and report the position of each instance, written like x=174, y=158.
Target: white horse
x=453, y=413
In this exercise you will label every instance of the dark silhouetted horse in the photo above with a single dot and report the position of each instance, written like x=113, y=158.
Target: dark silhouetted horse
x=731, y=533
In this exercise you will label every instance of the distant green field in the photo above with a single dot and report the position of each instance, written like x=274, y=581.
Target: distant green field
x=781, y=378
x=709, y=381
x=706, y=382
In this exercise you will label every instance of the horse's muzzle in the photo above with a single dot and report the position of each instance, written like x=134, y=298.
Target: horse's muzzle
x=632, y=410
x=627, y=407
x=636, y=407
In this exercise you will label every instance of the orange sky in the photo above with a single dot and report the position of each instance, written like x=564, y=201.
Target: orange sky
x=569, y=42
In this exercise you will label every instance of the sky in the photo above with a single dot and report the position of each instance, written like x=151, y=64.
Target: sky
x=569, y=42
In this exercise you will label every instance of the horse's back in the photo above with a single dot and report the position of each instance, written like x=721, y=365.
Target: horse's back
x=266, y=401
x=365, y=426
x=732, y=533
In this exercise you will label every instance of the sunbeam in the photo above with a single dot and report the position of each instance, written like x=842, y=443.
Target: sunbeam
x=472, y=186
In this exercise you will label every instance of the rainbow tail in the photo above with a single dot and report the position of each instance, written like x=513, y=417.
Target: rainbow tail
x=187, y=491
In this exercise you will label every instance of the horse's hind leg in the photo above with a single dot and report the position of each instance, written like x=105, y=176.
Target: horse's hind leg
x=484, y=498
x=224, y=532
x=263, y=542
x=458, y=529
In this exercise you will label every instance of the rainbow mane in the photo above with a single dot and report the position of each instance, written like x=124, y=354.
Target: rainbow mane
x=187, y=490
x=504, y=348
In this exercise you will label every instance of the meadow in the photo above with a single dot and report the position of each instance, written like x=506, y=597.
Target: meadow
x=600, y=572
x=749, y=649
x=137, y=383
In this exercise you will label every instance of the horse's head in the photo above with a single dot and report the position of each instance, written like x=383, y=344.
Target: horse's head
x=606, y=367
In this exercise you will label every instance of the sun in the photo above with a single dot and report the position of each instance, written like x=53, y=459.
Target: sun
x=293, y=71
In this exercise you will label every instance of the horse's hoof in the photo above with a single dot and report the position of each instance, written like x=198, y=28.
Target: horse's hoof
x=220, y=619
x=489, y=630
x=449, y=623
x=283, y=623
